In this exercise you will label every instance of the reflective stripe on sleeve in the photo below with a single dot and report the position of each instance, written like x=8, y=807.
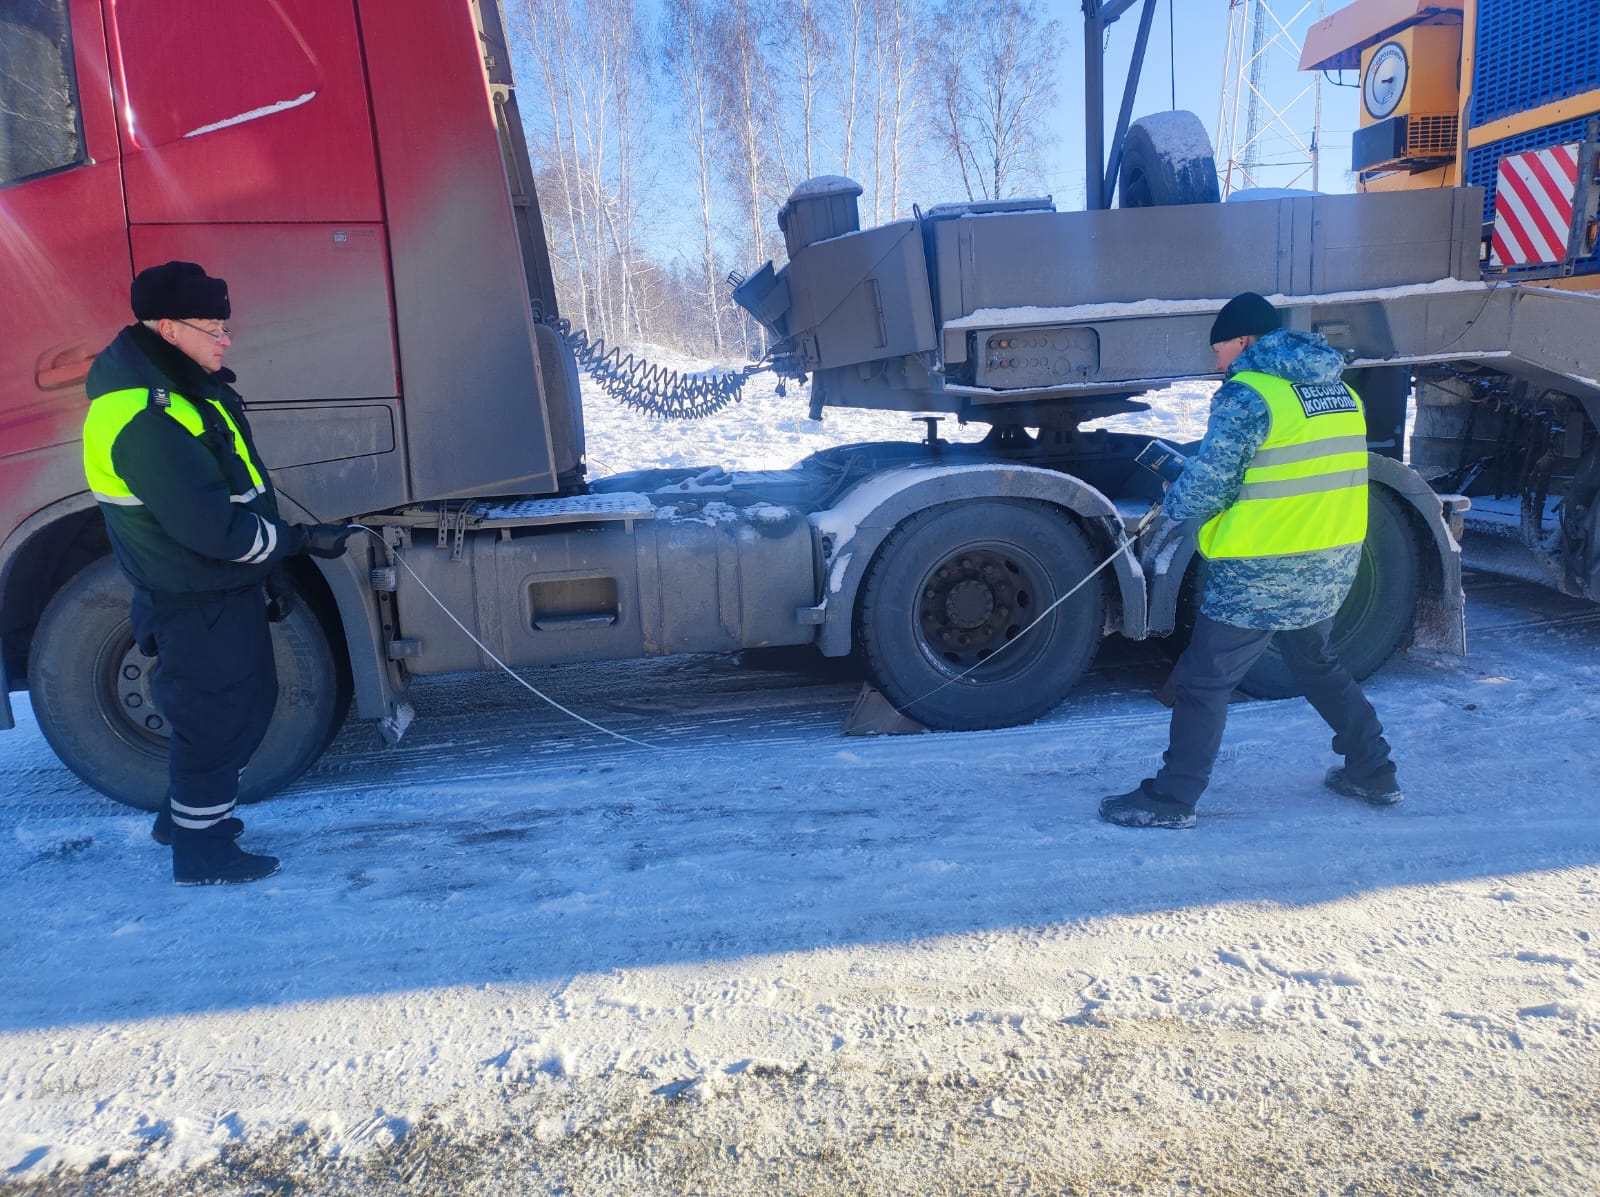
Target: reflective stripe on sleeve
x=118, y=500
x=266, y=540
x=248, y=495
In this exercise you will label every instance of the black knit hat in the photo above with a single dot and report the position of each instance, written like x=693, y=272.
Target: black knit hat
x=1245, y=315
x=177, y=291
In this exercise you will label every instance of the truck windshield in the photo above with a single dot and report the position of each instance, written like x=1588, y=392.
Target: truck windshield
x=39, y=128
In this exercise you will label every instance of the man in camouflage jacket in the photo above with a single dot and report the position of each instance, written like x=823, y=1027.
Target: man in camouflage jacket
x=1252, y=600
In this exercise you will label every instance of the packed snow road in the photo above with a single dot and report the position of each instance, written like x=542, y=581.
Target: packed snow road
x=514, y=955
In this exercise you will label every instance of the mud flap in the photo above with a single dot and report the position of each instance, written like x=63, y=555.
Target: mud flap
x=392, y=727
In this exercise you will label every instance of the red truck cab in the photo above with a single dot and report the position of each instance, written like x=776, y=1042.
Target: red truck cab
x=341, y=164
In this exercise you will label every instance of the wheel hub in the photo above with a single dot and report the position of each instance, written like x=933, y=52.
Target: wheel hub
x=971, y=605
x=135, y=695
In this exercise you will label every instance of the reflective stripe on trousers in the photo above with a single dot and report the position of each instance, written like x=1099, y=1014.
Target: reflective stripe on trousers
x=216, y=685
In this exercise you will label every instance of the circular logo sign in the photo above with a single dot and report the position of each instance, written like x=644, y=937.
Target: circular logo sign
x=1386, y=80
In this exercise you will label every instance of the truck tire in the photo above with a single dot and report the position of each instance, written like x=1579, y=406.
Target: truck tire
x=1167, y=159
x=953, y=585
x=1376, y=619
x=90, y=691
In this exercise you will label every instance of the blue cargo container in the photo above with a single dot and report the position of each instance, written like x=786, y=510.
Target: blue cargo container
x=1526, y=54
x=1532, y=52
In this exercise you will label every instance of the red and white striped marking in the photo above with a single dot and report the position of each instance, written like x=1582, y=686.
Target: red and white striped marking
x=1533, y=206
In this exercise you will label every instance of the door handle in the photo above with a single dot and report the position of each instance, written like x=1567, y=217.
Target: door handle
x=62, y=368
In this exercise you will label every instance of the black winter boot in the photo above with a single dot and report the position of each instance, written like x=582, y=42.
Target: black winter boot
x=1375, y=789
x=1146, y=808
x=161, y=832
x=210, y=857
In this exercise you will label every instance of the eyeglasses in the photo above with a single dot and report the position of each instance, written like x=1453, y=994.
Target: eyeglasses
x=222, y=332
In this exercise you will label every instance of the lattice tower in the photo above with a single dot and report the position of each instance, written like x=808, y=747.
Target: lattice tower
x=1269, y=125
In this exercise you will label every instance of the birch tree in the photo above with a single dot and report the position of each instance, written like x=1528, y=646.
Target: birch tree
x=898, y=37
x=804, y=45
x=590, y=72
x=623, y=70
x=553, y=144
x=687, y=50
x=852, y=19
x=994, y=67
x=591, y=68
x=740, y=73
x=767, y=92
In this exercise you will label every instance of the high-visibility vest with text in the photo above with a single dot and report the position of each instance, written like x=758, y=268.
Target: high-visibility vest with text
x=1306, y=487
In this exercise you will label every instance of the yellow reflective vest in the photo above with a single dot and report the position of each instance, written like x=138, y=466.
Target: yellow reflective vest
x=109, y=415
x=186, y=498
x=1306, y=487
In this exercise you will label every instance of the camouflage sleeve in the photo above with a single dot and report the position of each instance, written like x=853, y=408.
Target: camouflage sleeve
x=1210, y=482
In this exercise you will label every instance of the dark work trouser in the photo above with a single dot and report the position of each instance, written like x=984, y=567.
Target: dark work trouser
x=1216, y=661
x=216, y=685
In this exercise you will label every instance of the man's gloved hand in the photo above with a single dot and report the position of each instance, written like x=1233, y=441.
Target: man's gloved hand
x=280, y=596
x=328, y=540
x=1163, y=533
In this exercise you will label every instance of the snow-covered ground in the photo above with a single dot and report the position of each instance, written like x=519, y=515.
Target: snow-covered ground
x=514, y=955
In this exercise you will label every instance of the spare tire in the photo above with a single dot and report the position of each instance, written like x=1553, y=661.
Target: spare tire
x=1167, y=159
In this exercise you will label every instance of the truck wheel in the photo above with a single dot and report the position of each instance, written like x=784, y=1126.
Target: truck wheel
x=1376, y=619
x=954, y=586
x=90, y=689
x=1167, y=159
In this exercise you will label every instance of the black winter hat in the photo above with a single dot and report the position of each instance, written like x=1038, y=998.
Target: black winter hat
x=1245, y=315
x=178, y=291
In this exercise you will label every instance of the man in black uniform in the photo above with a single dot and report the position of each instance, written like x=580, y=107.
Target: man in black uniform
x=194, y=523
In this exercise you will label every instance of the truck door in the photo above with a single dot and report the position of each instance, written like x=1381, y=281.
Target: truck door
x=247, y=146
x=63, y=242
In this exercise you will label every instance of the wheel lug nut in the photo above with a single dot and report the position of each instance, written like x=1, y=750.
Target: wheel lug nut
x=131, y=672
x=153, y=722
x=134, y=701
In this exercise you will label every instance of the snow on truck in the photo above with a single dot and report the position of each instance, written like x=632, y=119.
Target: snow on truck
x=365, y=189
